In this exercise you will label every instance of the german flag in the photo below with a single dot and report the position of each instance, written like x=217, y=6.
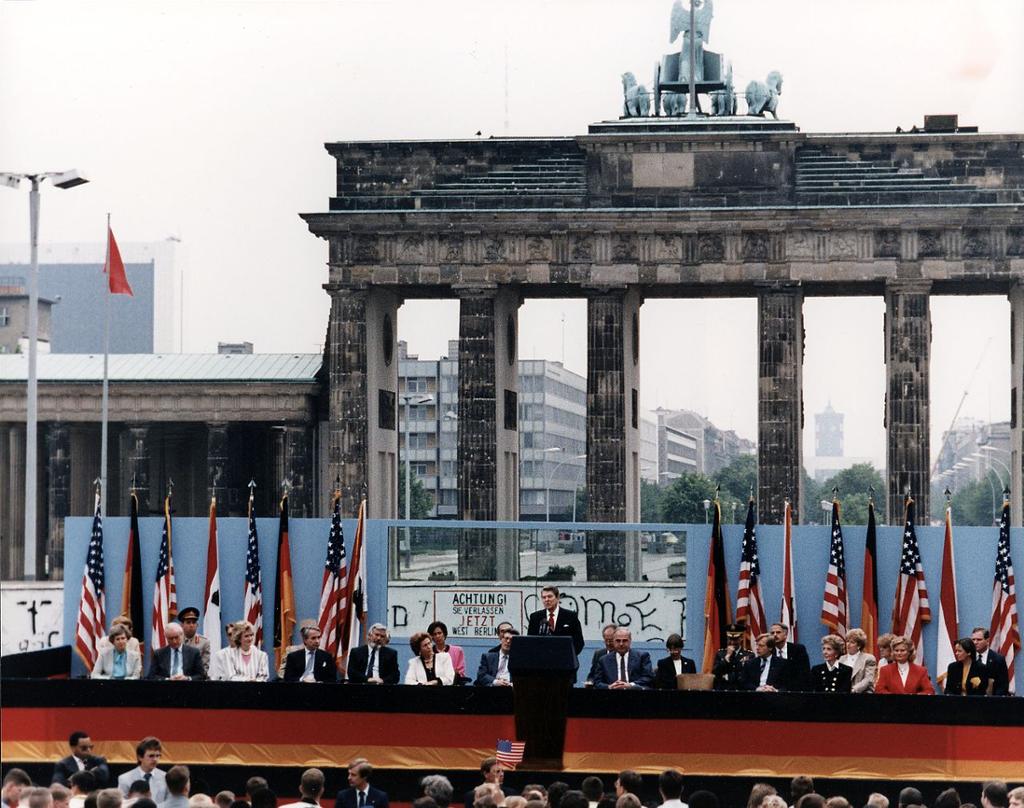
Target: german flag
x=284, y=591
x=131, y=592
x=717, y=607
x=869, y=600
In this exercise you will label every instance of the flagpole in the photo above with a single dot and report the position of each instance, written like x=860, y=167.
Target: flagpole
x=105, y=411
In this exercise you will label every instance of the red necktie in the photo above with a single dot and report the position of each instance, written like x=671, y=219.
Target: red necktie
x=551, y=622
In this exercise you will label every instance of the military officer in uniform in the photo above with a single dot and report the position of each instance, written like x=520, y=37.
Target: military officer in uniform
x=189, y=619
x=729, y=660
x=832, y=676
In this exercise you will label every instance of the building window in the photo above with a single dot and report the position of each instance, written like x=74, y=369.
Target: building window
x=419, y=440
x=5, y=317
x=419, y=469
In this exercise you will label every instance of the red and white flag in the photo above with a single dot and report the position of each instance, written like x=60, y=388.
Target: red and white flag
x=165, y=596
x=252, y=602
x=1005, y=630
x=948, y=617
x=835, y=605
x=211, y=602
x=788, y=617
x=356, y=592
x=749, y=600
x=334, y=590
x=91, y=611
x=114, y=268
x=910, y=610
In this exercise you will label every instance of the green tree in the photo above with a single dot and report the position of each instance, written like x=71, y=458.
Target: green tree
x=581, y=504
x=739, y=478
x=683, y=501
x=810, y=497
x=973, y=504
x=650, y=501
x=420, y=500
x=854, y=486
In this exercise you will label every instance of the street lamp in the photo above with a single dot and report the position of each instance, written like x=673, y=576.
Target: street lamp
x=707, y=505
x=65, y=180
x=992, y=457
x=408, y=399
x=547, y=484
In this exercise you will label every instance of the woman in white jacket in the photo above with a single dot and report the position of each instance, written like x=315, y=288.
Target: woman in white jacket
x=428, y=667
x=241, y=661
x=116, y=660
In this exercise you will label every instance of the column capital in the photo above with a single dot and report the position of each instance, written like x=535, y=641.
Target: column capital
x=908, y=286
x=475, y=290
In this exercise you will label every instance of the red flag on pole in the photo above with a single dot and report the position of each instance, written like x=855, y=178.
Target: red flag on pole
x=948, y=619
x=788, y=615
x=114, y=268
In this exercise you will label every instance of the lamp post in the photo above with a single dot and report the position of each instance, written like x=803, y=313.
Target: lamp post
x=64, y=180
x=707, y=506
x=992, y=457
x=547, y=484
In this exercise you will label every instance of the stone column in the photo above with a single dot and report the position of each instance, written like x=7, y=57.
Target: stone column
x=908, y=337
x=1017, y=405
x=780, y=408
x=488, y=439
x=14, y=495
x=613, y=430
x=135, y=464
x=218, y=479
x=58, y=497
x=85, y=468
x=293, y=465
x=363, y=428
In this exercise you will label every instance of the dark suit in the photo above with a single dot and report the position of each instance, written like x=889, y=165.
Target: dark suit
x=665, y=678
x=324, y=669
x=387, y=667
x=998, y=674
x=825, y=681
x=799, y=667
x=374, y=796
x=778, y=673
x=488, y=670
x=191, y=663
x=955, y=679
x=65, y=767
x=728, y=672
x=567, y=625
x=638, y=669
x=595, y=661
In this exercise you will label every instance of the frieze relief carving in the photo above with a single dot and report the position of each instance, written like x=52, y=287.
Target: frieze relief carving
x=453, y=248
x=412, y=249
x=976, y=244
x=711, y=247
x=756, y=247
x=666, y=248
x=1015, y=242
x=801, y=244
x=842, y=245
x=623, y=249
x=495, y=249
x=537, y=249
x=582, y=248
x=929, y=244
x=366, y=250
x=887, y=244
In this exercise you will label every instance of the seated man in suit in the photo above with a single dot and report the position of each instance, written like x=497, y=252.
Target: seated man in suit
x=766, y=672
x=493, y=670
x=360, y=794
x=995, y=664
x=554, y=620
x=608, y=635
x=310, y=664
x=176, y=660
x=799, y=667
x=624, y=668
x=81, y=759
x=504, y=624
x=374, y=663
x=672, y=665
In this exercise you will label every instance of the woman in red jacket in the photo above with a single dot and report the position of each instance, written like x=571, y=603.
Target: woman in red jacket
x=902, y=675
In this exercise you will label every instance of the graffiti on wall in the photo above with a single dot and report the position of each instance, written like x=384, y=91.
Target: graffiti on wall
x=33, y=616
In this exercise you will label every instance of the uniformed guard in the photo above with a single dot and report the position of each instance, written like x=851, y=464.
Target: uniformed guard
x=729, y=660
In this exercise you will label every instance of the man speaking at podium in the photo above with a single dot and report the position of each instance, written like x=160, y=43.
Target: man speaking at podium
x=554, y=620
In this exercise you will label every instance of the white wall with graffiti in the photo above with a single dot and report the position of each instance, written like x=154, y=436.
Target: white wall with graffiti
x=33, y=615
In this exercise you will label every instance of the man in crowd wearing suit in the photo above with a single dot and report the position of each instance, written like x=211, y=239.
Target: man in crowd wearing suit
x=799, y=664
x=608, y=635
x=994, y=663
x=728, y=665
x=310, y=664
x=15, y=781
x=493, y=670
x=554, y=620
x=177, y=787
x=673, y=665
x=311, y=789
x=176, y=660
x=189, y=619
x=765, y=672
x=504, y=624
x=360, y=794
x=147, y=753
x=494, y=775
x=624, y=668
x=81, y=759
x=374, y=663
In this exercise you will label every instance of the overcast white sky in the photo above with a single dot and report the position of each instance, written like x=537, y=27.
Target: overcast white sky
x=206, y=121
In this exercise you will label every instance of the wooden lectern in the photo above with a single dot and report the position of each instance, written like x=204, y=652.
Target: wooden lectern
x=543, y=671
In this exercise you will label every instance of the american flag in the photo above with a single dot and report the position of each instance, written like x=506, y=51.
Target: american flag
x=165, y=597
x=835, y=606
x=91, y=617
x=509, y=753
x=911, y=610
x=252, y=604
x=333, y=598
x=1005, y=630
x=788, y=615
x=749, y=601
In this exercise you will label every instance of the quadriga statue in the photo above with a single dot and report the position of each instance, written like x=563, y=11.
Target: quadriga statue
x=763, y=97
x=636, y=103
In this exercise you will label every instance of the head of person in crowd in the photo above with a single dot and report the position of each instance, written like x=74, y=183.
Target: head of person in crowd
x=573, y=799
x=800, y=785
x=504, y=624
x=487, y=795
x=628, y=800
x=240, y=803
x=377, y=635
x=703, y=799
x=224, y=799
x=438, y=632
x=535, y=804
x=148, y=753
x=36, y=797
x=108, y=798
x=515, y=802
x=535, y=792
x=775, y=801
x=79, y=741
x=175, y=635
x=670, y=781
x=200, y=801
x=764, y=646
x=994, y=794
x=122, y=620
x=555, y=793
x=241, y=634
x=837, y=802
x=759, y=791
x=254, y=784
x=810, y=801
x=903, y=651
x=424, y=802
x=608, y=635
x=90, y=800
x=950, y=798
x=674, y=646
x=492, y=771
x=422, y=645
x=144, y=802
x=779, y=633
x=263, y=798
x=885, y=646
x=855, y=641
x=439, y=787
x=831, y=648
x=980, y=637
x=1016, y=797
x=83, y=782
x=311, y=784
x=360, y=771
x=189, y=619
x=140, y=788
x=628, y=782
x=909, y=795
x=592, y=788
x=60, y=795
x=118, y=636
x=877, y=800
x=310, y=637
x=177, y=781
x=964, y=651
x=14, y=782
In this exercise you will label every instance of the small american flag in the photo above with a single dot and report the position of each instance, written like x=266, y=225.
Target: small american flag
x=332, y=591
x=91, y=617
x=835, y=605
x=749, y=601
x=911, y=610
x=1005, y=630
x=252, y=604
x=509, y=753
x=165, y=597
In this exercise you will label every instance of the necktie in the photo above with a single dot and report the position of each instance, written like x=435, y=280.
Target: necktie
x=369, y=668
x=310, y=656
x=622, y=668
x=176, y=665
x=764, y=661
x=502, y=663
x=551, y=622
x=362, y=799
x=148, y=776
